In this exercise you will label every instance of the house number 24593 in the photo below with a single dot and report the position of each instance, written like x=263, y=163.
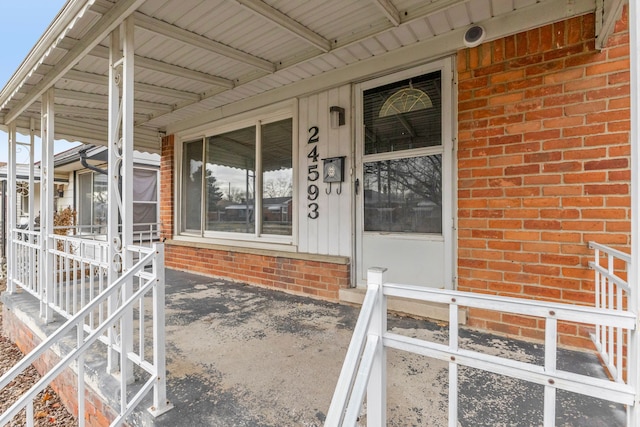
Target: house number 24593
x=312, y=173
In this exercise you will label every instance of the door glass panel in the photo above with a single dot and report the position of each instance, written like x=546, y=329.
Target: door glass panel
x=403, y=115
x=403, y=195
x=277, y=177
x=230, y=181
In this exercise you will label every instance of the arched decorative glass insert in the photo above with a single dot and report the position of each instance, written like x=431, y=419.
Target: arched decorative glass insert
x=405, y=100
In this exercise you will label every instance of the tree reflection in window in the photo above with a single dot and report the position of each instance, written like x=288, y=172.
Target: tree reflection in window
x=404, y=195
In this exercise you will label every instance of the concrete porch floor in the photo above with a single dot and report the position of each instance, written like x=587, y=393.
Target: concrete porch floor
x=238, y=355
x=245, y=356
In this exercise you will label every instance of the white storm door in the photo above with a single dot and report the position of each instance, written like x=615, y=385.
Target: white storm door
x=405, y=191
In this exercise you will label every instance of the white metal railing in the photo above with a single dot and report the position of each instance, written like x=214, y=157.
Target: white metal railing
x=80, y=272
x=611, y=292
x=143, y=233
x=364, y=365
x=146, y=301
x=25, y=247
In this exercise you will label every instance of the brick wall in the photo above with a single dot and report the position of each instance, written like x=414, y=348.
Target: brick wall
x=97, y=413
x=544, y=166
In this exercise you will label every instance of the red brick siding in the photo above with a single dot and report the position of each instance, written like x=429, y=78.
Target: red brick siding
x=543, y=165
x=166, y=186
x=97, y=413
x=304, y=277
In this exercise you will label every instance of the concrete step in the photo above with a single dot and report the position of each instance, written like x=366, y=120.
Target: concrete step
x=420, y=309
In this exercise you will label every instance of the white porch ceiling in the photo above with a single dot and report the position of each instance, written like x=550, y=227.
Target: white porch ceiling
x=195, y=56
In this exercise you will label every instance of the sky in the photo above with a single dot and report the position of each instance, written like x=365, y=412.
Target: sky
x=23, y=22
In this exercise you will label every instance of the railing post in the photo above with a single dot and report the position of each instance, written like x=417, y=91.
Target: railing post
x=377, y=387
x=11, y=210
x=160, y=402
x=47, y=276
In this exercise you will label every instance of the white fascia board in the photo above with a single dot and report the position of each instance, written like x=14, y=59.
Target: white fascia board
x=109, y=22
x=524, y=19
x=61, y=22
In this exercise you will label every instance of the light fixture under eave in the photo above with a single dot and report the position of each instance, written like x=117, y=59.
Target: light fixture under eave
x=474, y=36
x=336, y=116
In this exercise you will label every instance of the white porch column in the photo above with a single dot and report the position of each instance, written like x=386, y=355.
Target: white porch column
x=47, y=271
x=11, y=208
x=120, y=170
x=634, y=283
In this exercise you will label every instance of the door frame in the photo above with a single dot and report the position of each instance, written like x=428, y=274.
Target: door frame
x=446, y=66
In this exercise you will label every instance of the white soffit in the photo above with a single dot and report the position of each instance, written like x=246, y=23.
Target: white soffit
x=194, y=56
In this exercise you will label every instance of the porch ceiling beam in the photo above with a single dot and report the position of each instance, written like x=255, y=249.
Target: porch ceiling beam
x=176, y=70
x=192, y=39
x=95, y=131
x=101, y=80
x=262, y=9
x=95, y=35
x=103, y=99
x=155, y=65
x=89, y=113
x=389, y=11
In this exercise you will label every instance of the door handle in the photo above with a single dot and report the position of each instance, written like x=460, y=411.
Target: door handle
x=357, y=185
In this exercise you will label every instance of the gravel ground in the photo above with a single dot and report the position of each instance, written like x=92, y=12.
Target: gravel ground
x=47, y=407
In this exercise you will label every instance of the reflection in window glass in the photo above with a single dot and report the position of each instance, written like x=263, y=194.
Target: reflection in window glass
x=277, y=178
x=230, y=181
x=192, y=185
x=403, y=115
x=404, y=195
x=145, y=198
x=92, y=188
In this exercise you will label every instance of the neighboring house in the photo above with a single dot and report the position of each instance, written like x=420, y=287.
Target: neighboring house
x=481, y=159
x=86, y=192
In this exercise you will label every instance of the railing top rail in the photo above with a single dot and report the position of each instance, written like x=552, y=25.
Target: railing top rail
x=25, y=231
x=616, y=253
x=613, y=277
x=348, y=372
x=560, y=311
x=71, y=323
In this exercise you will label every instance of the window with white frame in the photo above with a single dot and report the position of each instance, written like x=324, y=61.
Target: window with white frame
x=92, y=199
x=239, y=181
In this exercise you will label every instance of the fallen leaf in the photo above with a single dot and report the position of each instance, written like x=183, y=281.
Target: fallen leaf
x=41, y=414
x=46, y=397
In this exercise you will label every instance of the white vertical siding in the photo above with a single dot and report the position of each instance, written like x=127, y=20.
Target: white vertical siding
x=330, y=233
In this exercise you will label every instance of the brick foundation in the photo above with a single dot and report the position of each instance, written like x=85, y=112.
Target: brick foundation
x=97, y=413
x=316, y=278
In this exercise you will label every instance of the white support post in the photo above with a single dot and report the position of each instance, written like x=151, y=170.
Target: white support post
x=634, y=282
x=377, y=387
x=11, y=209
x=127, y=184
x=31, y=205
x=550, y=351
x=160, y=402
x=453, y=365
x=113, y=190
x=47, y=270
